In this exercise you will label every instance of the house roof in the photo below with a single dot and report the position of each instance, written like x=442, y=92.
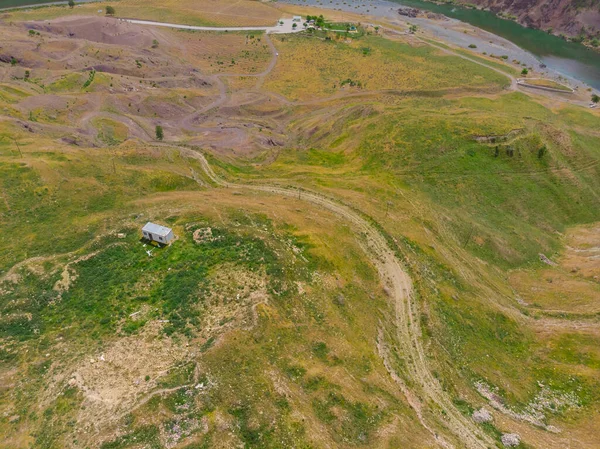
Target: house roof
x=154, y=228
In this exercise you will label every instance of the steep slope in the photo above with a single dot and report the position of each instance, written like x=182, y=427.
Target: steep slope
x=566, y=16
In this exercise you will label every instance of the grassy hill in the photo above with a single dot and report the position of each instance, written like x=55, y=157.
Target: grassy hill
x=267, y=323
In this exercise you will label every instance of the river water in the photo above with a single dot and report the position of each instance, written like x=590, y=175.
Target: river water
x=571, y=59
x=561, y=57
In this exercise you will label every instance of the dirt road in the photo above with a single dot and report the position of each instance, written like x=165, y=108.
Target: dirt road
x=284, y=26
x=432, y=405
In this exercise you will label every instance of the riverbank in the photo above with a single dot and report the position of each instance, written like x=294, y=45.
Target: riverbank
x=578, y=74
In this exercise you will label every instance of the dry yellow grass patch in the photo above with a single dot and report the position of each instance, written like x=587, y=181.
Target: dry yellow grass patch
x=311, y=67
x=205, y=12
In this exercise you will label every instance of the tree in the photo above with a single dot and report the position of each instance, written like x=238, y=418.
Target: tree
x=159, y=133
x=154, y=43
x=71, y=4
x=524, y=71
x=110, y=11
x=294, y=26
x=595, y=98
x=413, y=29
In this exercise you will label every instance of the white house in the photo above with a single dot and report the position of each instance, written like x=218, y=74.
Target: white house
x=157, y=233
x=297, y=19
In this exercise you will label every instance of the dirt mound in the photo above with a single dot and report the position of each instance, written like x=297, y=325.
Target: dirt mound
x=105, y=30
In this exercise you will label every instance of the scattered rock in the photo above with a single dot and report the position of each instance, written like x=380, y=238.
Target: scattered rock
x=121, y=235
x=203, y=235
x=511, y=439
x=482, y=415
x=339, y=300
x=409, y=12
x=13, y=418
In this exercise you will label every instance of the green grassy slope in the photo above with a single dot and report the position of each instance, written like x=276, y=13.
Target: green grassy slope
x=464, y=211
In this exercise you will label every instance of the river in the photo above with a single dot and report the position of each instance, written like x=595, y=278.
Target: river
x=569, y=59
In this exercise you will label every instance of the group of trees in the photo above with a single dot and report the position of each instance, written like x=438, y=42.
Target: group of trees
x=319, y=20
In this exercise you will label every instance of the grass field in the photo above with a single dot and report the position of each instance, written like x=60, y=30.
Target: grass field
x=421, y=155
x=252, y=263
x=312, y=67
x=259, y=326
x=205, y=13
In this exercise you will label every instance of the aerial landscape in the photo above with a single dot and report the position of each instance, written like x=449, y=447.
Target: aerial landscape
x=299, y=224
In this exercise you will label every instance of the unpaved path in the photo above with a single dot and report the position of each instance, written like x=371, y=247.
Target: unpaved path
x=427, y=394
x=286, y=27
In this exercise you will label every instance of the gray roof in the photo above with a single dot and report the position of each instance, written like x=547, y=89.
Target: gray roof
x=154, y=228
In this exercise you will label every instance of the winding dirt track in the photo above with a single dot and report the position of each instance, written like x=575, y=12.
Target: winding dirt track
x=428, y=394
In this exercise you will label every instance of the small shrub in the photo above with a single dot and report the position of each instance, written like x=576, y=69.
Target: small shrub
x=472, y=46
x=90, y=79
x=541, y=152
x=159, y=132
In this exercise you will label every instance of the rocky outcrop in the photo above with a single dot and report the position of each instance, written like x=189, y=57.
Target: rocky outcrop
x=570, y=17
